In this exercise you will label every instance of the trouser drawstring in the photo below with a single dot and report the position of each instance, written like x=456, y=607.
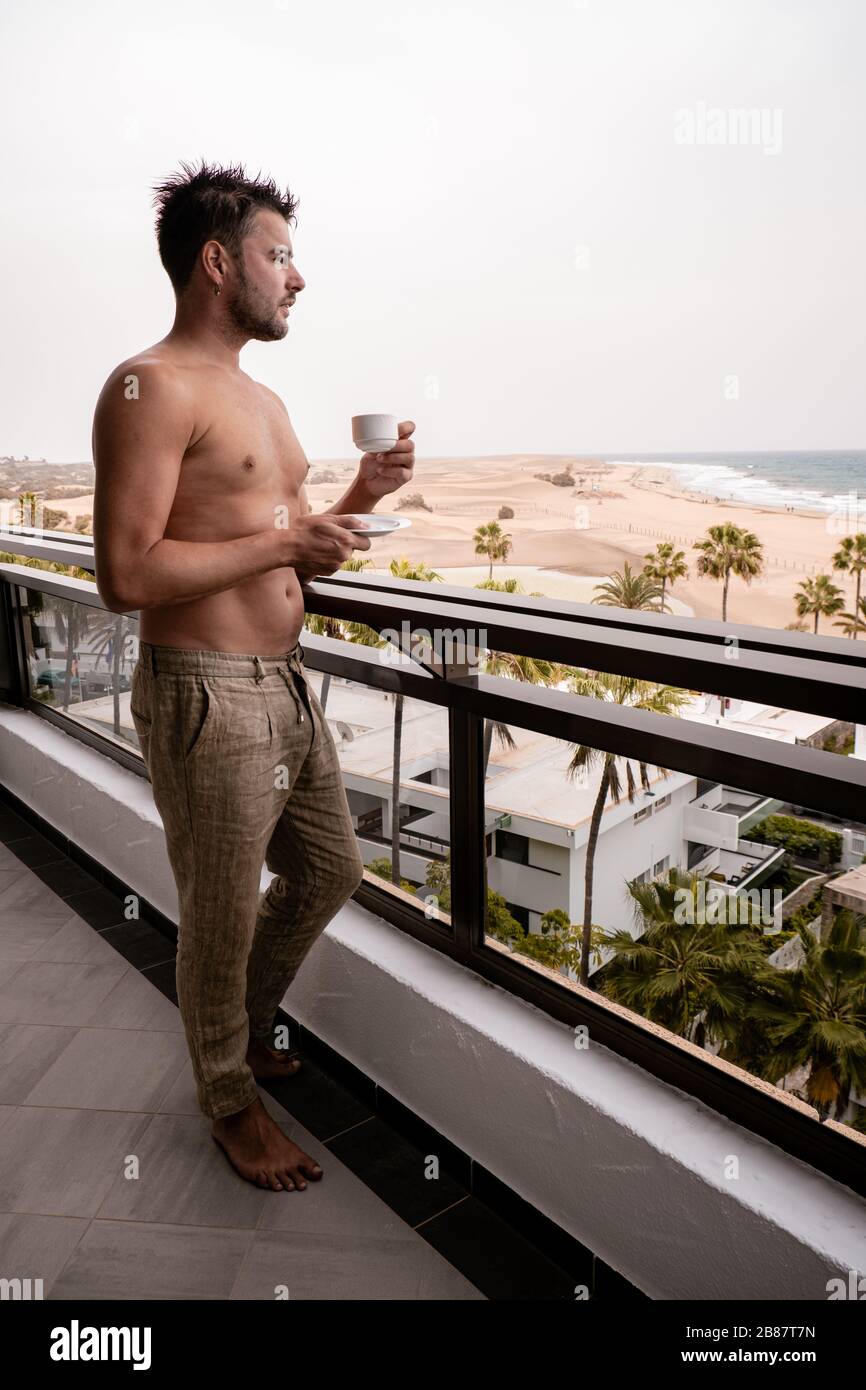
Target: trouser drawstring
x=286, y=675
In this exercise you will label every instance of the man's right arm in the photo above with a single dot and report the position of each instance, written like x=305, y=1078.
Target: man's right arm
x=138, y=448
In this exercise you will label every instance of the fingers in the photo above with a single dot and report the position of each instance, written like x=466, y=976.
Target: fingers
x=352, y=540
x=403, y=446
x=405, y=428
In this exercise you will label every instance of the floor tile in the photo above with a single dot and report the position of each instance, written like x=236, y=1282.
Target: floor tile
x=48, y=992
x=99, y=907
x=319, y=1102
x=76, y=942
x=184, y=1179
x=163, y=978
x=143, y=1260
x=37, y=1247
x=331, y=1267
x=496, y=1259
x=441, y=1281
x=396, y=1170
x=140, y=944
x=35, y=850
x=181, y=1098
x=30, y=914
x=64, y=877
x=27, y=1050
x=136, y=1003
x=112, y=1069
x=63, y=1162
x=12, y=873
x=12, y=826
x=343, y=1205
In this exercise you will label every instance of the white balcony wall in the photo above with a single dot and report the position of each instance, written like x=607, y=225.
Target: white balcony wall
x=529, y=887
x=708, y=827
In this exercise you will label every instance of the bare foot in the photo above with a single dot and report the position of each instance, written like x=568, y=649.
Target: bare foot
x=267, y=1062
x=258, y=1149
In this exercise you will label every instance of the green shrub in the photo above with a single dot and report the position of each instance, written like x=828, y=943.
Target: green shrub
x=800, y=837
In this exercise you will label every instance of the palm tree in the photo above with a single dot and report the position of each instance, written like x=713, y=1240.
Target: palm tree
x=493, y=726
x=819, y=596
x=420, y=573
x=503, y=586
x=28, y=509
x=321, y=625
x=851, y=558
x=635, y=694
x=666, y=565
x=492, y=541
x=691, y=976
x=532, y=670
x=72, y=621
x=853, y=623
x=107, y=632
x=519, y=667
x=726, y=550
x=815, y=1014
x=627, y=590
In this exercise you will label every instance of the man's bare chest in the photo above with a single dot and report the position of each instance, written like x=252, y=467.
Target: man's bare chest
x=245, y=447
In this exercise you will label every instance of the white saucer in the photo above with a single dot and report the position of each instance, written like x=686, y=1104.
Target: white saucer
x=378, y=524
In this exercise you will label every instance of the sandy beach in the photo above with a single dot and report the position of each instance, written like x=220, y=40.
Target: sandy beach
x=617, y=512
x=621, y=513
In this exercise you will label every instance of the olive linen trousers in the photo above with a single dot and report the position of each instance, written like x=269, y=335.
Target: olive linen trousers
x=244, y=772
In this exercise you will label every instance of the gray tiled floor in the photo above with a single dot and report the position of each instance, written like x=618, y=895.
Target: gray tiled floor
x=111, y=1185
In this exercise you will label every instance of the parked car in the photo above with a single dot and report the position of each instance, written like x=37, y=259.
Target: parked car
x=101, y=682
x=55, y=678
x=86, y=685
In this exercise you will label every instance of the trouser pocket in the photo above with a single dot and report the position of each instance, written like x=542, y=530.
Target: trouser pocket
x=201, y=714
x=140, y=709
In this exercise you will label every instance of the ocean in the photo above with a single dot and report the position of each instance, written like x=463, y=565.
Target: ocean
x=804, y=481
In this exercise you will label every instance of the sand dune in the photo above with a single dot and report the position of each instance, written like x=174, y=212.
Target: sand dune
x=621, y=513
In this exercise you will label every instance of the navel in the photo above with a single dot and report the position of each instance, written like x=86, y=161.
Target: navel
x=249, y=462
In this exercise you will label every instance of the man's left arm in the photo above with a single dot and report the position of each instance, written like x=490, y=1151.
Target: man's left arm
x=379, y=474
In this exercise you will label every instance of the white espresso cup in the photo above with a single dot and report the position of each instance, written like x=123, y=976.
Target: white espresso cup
x=374, y=434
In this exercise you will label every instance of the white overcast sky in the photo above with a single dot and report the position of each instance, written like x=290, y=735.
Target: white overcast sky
x=501, y=237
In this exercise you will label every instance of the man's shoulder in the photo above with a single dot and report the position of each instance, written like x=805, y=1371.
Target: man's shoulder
x=271, y=395
x=151, y=369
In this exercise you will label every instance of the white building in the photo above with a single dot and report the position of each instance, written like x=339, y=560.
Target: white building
x=538, y=817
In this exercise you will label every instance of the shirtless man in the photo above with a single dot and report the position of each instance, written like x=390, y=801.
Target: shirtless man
x=201, y=523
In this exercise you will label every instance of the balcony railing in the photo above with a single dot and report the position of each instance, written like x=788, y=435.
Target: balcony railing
x=815, y=674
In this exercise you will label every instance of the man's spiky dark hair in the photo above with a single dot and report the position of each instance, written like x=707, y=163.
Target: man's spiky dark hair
x=210, y=203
